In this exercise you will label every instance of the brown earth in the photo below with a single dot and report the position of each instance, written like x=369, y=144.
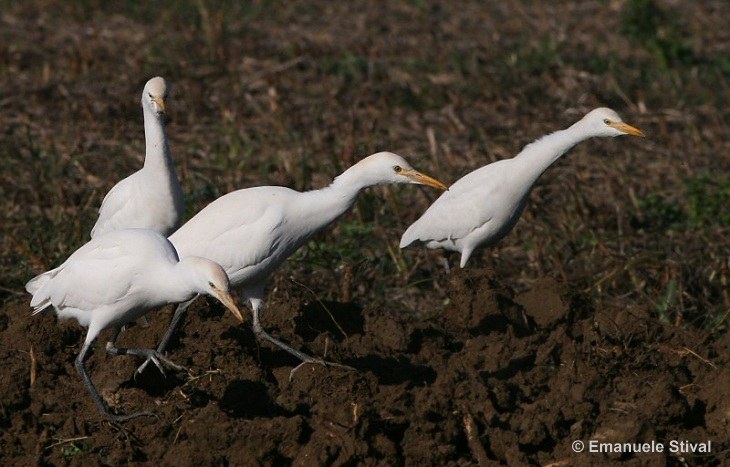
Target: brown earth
x=606, y=317
x=490, y=376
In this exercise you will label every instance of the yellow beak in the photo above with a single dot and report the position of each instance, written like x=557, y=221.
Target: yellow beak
x=226, y=299
x=422, y=179
x=160, y=103
x=626, y=128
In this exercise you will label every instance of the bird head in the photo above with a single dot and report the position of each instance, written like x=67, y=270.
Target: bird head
x=209, y=278
x=606, y=122
x=154, y=96
x=386, y=167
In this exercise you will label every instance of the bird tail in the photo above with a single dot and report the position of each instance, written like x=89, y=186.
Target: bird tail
x=409, y=237
x=40, y=306
x=36, y=287
x=33, y=285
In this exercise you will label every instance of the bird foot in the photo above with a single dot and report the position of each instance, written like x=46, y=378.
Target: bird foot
x=305, y=359
x=319, y=361
x=150, y=355
x=158, y=359
x=124, y=418
x=445, y=264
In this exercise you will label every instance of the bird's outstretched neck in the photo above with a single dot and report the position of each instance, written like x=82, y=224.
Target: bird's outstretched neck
x=328, y=203
x=353, y=180
x=543, y=152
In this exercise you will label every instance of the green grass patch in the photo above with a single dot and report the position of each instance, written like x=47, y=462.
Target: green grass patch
x=706, y=204
x=658, y=31
x=709, y=201
x=326, y=253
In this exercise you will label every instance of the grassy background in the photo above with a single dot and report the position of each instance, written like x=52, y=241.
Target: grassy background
x=291, y=93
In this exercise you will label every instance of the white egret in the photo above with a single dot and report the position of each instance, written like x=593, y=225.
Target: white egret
x=118, y=277
x=150, y=198
x=251, y=232
x=483, y=206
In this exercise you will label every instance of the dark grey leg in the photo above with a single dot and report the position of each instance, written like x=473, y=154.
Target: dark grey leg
x=177, y=318
x=79, y=364
x=258, y=330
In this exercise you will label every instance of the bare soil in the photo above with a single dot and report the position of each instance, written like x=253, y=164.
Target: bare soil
x=602, y=316
x=492, y=376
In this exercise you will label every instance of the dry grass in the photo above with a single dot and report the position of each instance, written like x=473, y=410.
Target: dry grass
x=291, y=93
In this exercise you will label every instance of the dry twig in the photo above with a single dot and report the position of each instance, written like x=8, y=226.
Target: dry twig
x=472, y=436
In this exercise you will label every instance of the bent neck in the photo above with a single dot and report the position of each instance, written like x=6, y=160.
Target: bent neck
x=157, y=149
x=178, y=285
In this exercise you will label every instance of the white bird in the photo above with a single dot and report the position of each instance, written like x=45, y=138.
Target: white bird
x=251, y=232
x=483, y=206
x=150, y=198
x=118, y=277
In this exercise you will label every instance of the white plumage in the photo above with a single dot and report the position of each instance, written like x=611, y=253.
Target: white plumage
x=118, y=277
x=251, y=232
x=150, y=198
x=484, y=205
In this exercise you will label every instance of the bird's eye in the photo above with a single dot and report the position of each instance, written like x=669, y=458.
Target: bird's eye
x=397, y=169
x=606, y=121
x=212, y=285
x=151, y=96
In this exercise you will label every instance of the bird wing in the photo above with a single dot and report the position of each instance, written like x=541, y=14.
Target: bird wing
x=91, y=275
x=146, y=199
x=467, y=206
x=239, y=231
x=114, y=209
x=100, y=273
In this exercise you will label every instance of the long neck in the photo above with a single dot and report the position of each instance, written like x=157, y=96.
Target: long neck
x=543, y=152
x=157, y=150
x=325, y=205
x=177, y=285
